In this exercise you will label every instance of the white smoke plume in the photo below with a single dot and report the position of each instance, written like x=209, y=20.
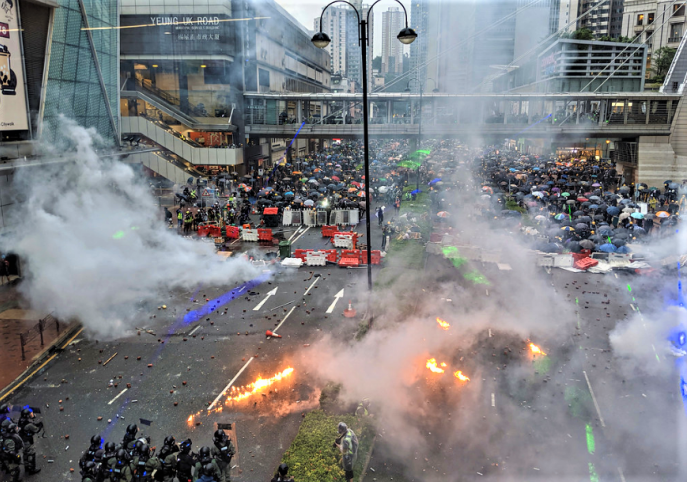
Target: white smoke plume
x=94, y=245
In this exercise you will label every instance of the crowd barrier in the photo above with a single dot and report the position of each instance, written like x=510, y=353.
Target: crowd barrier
x=209, y=229
x=314, y=218
x=264, y=235
x=250, y=235
x=232, y=232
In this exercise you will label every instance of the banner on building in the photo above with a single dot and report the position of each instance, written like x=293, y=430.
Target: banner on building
x=13, y=110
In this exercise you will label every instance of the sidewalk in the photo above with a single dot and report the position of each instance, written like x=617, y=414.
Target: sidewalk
x=15, y=319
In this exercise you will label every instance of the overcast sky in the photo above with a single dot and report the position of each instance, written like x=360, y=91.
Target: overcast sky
x=305, y=11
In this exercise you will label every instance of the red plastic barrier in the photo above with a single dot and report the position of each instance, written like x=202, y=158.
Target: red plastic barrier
x=376, y=256
x=264, y=234
x=581, y=255
x=246, y=226
x=271, y=211
x=585, y=263
x=352, y=234
x=203, y=231
x=232, y=232
x=344, y=262
x=301, y=253
x=328, y=231
x=332, y=255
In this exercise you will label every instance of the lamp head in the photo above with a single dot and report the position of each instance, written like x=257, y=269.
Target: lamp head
x=320, y=40
x=407, y=36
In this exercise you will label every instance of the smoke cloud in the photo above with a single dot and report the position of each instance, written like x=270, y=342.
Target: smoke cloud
x=94, y=243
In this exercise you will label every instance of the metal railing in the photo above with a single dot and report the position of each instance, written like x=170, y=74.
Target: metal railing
x=37, y=330
x=674, y=39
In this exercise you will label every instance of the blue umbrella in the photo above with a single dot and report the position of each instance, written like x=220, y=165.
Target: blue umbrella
x=637, y=215
x=623, y=250
x=593, y=206
x=416, y=191
x=560, y=216
x=613, y=211
x=289, y=194
x=512, y=169
x=608, y=248
x=434, y=181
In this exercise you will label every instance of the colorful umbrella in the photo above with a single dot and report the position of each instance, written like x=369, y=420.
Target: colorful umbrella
x=663, y=214
x=443, y=214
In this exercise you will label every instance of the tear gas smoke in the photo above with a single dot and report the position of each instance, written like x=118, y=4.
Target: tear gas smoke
x=95, y=246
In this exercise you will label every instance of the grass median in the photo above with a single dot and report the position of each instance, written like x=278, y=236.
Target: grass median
x=312, y=458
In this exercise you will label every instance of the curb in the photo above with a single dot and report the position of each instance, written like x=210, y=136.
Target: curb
x=363, y=473
x=49, y=352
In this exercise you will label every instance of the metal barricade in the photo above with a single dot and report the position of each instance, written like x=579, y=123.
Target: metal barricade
x=309, y=218
x=344, y=217
x=287, y=217
x=321, y=217
x=296, y=218
x=37, y=330
x=353, y=217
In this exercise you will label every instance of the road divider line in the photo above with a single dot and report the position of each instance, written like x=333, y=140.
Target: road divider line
x=622, y=476
x=193, y=330
x=299, y=237
x=310, y=287
x=493, y=400
x=118, y=395
x=295, y=233
x=230, y=384
x=596, y=404
x=282, y=321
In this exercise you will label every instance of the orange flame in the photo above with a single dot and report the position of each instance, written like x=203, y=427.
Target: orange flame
x=459, y=375
x=190, y=420
x=432, y=365
x=444, y=325
x=536, y=349
x=238, y=394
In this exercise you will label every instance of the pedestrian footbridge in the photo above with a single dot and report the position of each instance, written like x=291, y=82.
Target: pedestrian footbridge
x=396, y=115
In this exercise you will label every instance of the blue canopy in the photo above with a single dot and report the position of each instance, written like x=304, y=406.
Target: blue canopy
x=613, y=211
x=608, y=248
x=416, y=191
x=434, y=181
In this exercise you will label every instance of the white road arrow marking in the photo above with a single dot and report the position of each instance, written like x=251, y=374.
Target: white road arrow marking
x=271, y=293
x=338, y=296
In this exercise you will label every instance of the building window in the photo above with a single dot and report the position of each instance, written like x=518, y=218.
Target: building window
x=679, y=10
x=675, y=32
x=640, y=19
x=650, y=20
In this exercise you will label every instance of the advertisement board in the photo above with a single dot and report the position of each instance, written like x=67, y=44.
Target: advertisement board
x=13, y=111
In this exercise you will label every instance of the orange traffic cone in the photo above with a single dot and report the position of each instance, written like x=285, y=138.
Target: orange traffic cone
x=349, y=312
x=269, y=333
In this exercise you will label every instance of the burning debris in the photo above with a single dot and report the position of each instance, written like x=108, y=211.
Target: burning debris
x=432, y=365
x=536, y=350
x=459, y=375
x=241, y=393
x=444, y=325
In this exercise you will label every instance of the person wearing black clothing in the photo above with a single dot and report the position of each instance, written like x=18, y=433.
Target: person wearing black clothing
x=282, y=474
x=186, y=460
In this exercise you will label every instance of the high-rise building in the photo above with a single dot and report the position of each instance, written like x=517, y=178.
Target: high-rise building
x=341, y=25
x=419, y=21
x=335, y=24
x=393, y=21
x=605, y=18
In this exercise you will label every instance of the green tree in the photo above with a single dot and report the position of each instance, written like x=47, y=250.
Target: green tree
x=661, y=60
x=377, y=63
x=583, y=34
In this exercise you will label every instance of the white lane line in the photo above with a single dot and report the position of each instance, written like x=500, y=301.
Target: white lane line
x=193, y=330
x=596, y=404
x=337, y=297
x=282, y=321
x=295, y=232
x=299, y=237
x=118, y=395
x=622, y=477
x=230, y=384
x=270, y=294
x=493, y=400
x=310, y=287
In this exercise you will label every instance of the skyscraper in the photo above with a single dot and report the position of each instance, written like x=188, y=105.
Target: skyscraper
x=341, y=25
x=392, y=49
x=419, y=21
x=605, y=20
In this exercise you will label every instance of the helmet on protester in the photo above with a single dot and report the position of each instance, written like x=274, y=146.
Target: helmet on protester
x=342, y=427
x=283, y=470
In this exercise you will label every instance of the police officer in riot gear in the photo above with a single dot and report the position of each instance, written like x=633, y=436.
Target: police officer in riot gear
x=28, y=427
x=89, y=455
x=4, y=433
x=186, y=460
x=130, y=438
x=168, y=460
x=121, y=472
x=206, y=459
x=145, y=463
x=4, y=412
x=109, y=461
x=89, y=472
x=12, y=447
x=223, y=451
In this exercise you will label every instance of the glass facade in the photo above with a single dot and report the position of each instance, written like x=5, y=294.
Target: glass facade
x=73, y=86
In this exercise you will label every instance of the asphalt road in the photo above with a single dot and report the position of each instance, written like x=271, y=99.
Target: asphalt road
x=181, y=360
x=576, y=414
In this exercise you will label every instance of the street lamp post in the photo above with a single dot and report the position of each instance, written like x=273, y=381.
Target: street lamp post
x=419, y=134
x=321, y=40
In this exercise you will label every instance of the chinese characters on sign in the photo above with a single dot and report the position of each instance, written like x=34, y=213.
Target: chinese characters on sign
x=192, y=29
